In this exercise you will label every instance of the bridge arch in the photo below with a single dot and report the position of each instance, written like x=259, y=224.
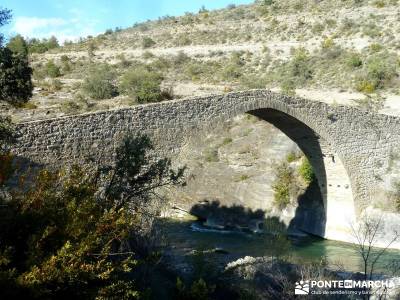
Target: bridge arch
x=329, y=211
x=361, y=143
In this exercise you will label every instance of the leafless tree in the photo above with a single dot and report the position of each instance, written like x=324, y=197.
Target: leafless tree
x=366, y=233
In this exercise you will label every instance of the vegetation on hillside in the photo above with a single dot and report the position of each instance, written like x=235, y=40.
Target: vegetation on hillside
x=314, y=47
x=291, y=179
x=15, y=74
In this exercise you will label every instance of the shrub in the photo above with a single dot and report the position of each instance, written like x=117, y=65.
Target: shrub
x=91, y=47
x=180, y=59
x=244, y=177
x=231, y=72
x=227, y=141
x=299, y=67
x=318, y=28
x=143, y=85
x=354, y=60
x=211, y=155
x=306, y=171
x=197, y=291
x=52, y=70
x=64, y=58
x=29, y=105
x=194, y=69
x=123, y=62
x=41, y=46
x=70, y=107
x=62, y=239
x=281, y=185
x=365, y=86
x=147, y=42
x=268, y=2
x=182, y=40
x=99, y=83
x=15, y=77
x=288, y=86
x=372, y=30
x=379, y=70
x=379, y=3
x=18, y=45
x=375, y=47
x=66, y=67
x=328, y=43
x=56, y=85
x=291, y=157
x=253, y=81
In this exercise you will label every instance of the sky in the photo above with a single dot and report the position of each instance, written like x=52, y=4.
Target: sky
x=71, y=19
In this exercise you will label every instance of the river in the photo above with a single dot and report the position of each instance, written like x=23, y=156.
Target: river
x=185, y=236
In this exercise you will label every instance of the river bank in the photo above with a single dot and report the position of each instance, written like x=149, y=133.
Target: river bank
x=262, y=265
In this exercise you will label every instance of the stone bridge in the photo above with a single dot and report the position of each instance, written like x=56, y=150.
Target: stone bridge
x=351, y=150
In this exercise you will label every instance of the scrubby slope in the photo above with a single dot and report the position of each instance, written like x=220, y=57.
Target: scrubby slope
x=336, y=51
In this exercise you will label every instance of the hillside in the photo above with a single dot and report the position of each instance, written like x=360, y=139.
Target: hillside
x=344, y=52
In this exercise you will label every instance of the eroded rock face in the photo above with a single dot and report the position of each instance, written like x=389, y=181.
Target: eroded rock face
x=236, y=164
x=230, y=178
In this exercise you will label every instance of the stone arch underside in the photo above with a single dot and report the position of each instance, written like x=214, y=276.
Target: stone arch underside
x=326, y=209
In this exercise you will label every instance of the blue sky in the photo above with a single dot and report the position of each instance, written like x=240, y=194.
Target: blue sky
x=70, y=19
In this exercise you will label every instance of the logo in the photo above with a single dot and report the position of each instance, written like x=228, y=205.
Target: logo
x=302, y=287
x=341, y=287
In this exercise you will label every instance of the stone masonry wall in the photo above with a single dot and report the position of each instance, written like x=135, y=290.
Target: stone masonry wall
x=363, y=141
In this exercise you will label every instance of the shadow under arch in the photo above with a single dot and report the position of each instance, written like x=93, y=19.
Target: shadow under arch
x=318, y=210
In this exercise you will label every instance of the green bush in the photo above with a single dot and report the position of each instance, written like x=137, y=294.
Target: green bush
x=181, y=58
x=211, y=155
x=378, y=71
x=199, y=290
x=300, y=66
x=231, y=72
x=295, y=72
x=182, y=40
x=41, y=46
x=66, y=64
x=291, y=157
x=379, y=3
x=52, y=70
x=15, y=77
x=281, y=186
x=268, y=2
x=18, y=45
x=99, y=83
x=306, y=171
x=227, y=141
x=143, y=85
x=354, y=60
x=365, y=86
x=147, y=42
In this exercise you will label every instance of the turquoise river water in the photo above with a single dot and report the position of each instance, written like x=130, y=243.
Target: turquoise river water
x=191, y=235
